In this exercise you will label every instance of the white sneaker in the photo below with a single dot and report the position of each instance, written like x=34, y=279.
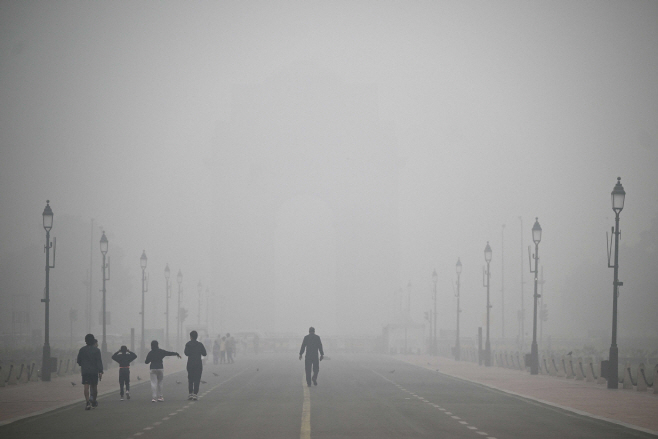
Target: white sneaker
x=161, y=399
x=194, y=397
x=153, y=400
x=190, y=397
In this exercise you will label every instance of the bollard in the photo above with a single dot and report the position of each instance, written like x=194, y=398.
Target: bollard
x=601, y=379
x=642, y=384
x=11, y=378
x=22, y=373
x=580, y=373
x=628, y=378
x=3, y=373
x=33, y=372
x=567, y=366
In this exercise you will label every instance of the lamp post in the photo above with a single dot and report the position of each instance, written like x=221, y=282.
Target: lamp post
x=457, y=344
x=47, y=225
x=435, y=346
x=106, y=277
x=618, y=196
x=199, y=288
x=407, y=316
x=142, y=262
x=487, y=344
x=179, y=328
x=168, y=295
x=207, y=309
x=534, y=354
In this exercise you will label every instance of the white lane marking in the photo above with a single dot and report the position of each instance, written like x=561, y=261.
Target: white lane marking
x=448, y=413
x=138, y=434
x=165, y=418
x=491, y=437
x=157, y=423
x=472, y=428
x=463, y=422
x=455, y=417
x=305, y=432
x=172, y=414
x=442, y=409
x=482, y=433
x=148, y=428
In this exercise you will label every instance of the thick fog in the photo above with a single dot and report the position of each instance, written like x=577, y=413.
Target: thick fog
x=312, y=163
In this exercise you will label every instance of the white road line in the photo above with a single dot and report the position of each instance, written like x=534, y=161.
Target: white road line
x=463, y=422
x=138, y=434
x=482, y=433
x=472, y=428
x=165, y=418
x=157, y=423
x=148, y=428
x=305, y=432
x=455, y=417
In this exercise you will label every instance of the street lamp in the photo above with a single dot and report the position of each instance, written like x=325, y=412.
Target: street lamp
x=142, y=262
x=47, y=225
x=618, y=196
x=487, y=345
x=435, y=347
x=534, y=351
x=457, y=345
x=407, y=316
x=167, y=296
x=198, y=289
x=104, y=247
x=179, y=328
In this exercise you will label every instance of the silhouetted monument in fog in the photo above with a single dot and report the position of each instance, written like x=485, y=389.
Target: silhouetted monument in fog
x=306, y=211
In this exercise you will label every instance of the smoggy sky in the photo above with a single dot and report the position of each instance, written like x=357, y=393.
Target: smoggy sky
x=118, y=111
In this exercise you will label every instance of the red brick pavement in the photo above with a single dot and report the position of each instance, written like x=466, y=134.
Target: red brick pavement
x=626, y=407
x=32, y=398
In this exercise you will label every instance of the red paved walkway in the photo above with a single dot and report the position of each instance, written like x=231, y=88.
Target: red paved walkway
x=639, y=409
x=22, y=400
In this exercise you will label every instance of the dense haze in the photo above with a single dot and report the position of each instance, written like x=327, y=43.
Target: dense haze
x=306, y=160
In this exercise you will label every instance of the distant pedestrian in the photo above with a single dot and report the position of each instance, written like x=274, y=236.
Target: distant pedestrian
x=155, y=357
x=215, y=351
x=312, y=344
x=91, y=368
x=124, y=357
x=194, y=351
x=230, y=347
x=222, y=350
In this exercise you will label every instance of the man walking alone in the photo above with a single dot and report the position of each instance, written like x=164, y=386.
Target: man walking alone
x=194, y=351
x=91, y=368
x=312, y=344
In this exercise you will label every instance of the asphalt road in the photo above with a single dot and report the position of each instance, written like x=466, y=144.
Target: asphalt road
x=358, y=396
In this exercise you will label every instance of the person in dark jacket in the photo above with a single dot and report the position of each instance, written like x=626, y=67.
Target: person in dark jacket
x=124, y=357
x=312, y=344
x=91, y=368
x=155, y=357
x=194, y=350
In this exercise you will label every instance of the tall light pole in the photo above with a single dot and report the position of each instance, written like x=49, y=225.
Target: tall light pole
x=199, y=288
x=142, y=262
x=179, y=327
x=534, y=351
x=435, y=345
x=502, y=282
x=47, y=225
x=618, y=197
x=522, y=313
x=407, y=316
x=167, y=273
x=207, y=309
x=457, y=344
x=486, y=274
x=106, y=277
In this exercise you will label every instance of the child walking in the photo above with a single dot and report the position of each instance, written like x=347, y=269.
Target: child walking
x=155, y=357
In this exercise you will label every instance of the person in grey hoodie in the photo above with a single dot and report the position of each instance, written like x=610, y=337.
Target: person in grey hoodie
x=91, y=368
x=155, y=357
x=194, y=350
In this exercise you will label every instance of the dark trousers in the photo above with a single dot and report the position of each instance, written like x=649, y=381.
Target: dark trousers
x=124, y=379
x=194, y=378
x=312, y=362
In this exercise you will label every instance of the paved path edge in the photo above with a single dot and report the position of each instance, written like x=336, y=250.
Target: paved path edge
x=69, y=403
x=541, y=401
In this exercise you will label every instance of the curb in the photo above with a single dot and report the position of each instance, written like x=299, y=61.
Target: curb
x=73, y=402
x=548, y=403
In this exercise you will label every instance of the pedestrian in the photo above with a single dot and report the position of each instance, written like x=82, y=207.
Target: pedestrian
x=222, y=350
x=230, y=347
x=155, y=358
x=124, y=357
x=194, y=351
x=91, y=368
x=312, y=344
x=215, y=351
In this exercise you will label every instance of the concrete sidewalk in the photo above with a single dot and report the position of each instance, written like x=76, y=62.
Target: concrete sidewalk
x=630, y=408
x=23, y=400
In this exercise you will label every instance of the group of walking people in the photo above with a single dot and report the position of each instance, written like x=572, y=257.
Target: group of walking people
x=91, y=367
x=223, y=349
